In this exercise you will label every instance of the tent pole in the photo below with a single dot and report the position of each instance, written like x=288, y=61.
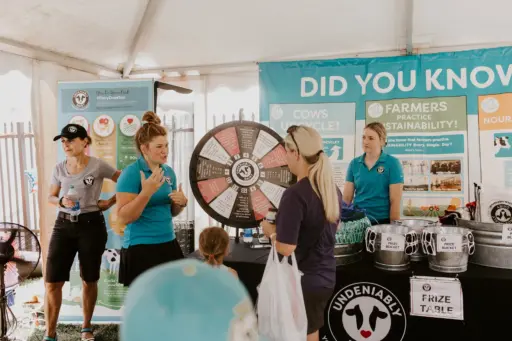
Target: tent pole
x=140, y=35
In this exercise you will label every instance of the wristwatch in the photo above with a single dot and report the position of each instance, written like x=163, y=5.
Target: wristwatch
x=60, y=202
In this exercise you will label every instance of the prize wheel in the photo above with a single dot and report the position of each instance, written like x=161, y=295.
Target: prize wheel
x=238, y=171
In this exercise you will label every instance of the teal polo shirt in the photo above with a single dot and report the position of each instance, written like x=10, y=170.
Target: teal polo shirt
x=372, y=185
x=154, y=225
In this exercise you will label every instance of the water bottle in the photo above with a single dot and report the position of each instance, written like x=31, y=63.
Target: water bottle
x=248, y=235
x=75, y=210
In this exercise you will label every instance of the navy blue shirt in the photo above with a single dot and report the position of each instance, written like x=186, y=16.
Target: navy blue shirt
x=301, y=221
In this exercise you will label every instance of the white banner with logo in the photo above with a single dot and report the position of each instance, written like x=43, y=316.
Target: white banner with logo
x=437, y=297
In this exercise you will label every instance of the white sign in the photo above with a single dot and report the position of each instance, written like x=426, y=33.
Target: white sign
x=437, y=297
x=392, y=242
x=449, y=243
x=506, y=236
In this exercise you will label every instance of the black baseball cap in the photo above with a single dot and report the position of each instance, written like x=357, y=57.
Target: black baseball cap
x=72, y=131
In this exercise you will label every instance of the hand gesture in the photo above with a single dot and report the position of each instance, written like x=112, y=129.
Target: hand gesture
x=68, y=203
x=153, y=183
x=178, y=197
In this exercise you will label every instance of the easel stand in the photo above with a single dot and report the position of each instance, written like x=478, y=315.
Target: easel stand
x=237, y=235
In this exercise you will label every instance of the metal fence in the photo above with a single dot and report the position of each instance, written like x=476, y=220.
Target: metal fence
x=18, y=175
x=180, y=128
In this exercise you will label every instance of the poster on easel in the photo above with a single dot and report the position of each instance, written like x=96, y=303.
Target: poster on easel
x=111, y=112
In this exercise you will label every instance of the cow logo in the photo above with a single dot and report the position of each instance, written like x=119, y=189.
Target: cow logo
x=490, y=105
x=502, y=144
x=276, y=112
x=72, y=129
x=89, y=180
x=501, y=212
x=366, y=312
x=80, y=100
x=427, y=287
x=380, y=169
x=245, y=172
x=168, y=180
x=375, y=110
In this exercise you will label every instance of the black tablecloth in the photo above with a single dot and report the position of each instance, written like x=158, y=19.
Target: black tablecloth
x=487, y=296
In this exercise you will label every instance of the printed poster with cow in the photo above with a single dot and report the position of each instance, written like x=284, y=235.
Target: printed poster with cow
x=111, y=112
x=495, y=124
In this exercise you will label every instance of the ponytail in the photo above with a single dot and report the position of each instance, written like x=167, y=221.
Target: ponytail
x=309, y=145
x=214, y=260
x=322, y=180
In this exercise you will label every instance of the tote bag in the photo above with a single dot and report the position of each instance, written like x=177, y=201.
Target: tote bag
x=281, y=310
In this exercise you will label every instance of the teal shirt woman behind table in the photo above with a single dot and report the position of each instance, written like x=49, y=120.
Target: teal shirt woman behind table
x=375, y=179
x=147, y=200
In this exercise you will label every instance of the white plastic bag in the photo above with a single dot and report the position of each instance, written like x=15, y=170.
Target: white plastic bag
x=281, y=309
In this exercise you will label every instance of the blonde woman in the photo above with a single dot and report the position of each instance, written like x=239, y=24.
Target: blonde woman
x=375, y=179
x=307, y=219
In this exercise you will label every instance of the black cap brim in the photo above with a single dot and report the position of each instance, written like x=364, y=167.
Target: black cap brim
x=69, y=137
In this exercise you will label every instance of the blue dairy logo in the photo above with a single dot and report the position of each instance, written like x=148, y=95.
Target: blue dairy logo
x=333, y=148
x=502, y=145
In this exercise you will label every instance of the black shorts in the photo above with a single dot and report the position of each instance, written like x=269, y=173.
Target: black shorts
x=315, y=302
x=138, y=258
x=88, y=237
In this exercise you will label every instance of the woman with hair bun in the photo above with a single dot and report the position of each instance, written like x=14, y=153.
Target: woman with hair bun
x=375, y=179
x=307, y=220
x=147, y=200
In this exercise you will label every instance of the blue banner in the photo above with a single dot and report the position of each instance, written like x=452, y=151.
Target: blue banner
x=424, y=101
x=468, y=73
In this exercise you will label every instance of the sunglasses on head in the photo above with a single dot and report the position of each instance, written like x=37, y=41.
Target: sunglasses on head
x=291, y=130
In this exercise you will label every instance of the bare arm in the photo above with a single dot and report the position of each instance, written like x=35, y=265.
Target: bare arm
x=270, y=231
x=348, y=192
x=53, y=196
x=176, y=209
x=285, y=249
x=395, y=197
x=106, y=204
x=130, y=206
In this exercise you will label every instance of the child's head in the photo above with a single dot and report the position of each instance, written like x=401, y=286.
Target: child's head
x=213, y=244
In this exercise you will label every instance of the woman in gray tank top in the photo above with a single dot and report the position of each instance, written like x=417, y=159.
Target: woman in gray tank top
x=80, y=226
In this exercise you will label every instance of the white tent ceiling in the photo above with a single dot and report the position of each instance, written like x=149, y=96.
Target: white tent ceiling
x=144, y=36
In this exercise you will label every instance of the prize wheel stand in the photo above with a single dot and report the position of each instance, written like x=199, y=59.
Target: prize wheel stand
x=238, y=171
